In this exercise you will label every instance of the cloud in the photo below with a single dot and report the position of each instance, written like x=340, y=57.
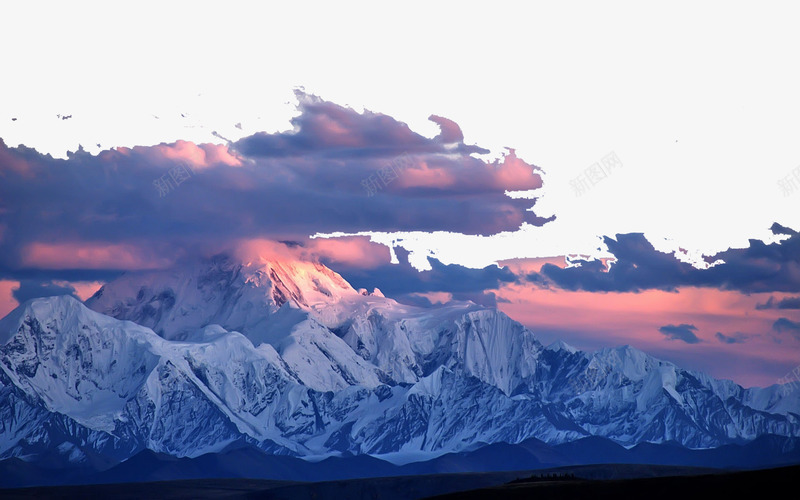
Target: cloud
x=761, y=267
x=451, y=132
x=89, y=255
x=681, y=332
x=366, y=265
x=428, y=299
x=735, y=338
x=197, y=155
x=106, y=212
x=7, y=300
x=785, y=325
x=351, y=252
x=399, y=280
x=82, y=289
x=485, y=299
x=784, y=303
x=31, y=289
x=328, y=130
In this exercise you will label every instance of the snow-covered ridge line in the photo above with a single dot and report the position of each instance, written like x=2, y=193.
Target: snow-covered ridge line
x=288, y=357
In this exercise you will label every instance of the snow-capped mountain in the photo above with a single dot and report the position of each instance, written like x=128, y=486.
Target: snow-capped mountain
x=288, y=357
x=238, y=296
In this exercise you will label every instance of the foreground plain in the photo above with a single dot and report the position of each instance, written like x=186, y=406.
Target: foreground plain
x=595, y=481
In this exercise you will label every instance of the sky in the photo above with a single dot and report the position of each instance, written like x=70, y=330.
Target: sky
x=615, y=174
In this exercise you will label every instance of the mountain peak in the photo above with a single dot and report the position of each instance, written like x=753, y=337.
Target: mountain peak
x=58, y=307
x=225, y=290
x=560, y=345
x=323, y=370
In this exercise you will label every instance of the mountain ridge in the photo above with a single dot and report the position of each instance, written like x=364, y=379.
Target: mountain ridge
x=331, y=371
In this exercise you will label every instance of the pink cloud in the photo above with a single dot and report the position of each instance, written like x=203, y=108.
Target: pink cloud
x=198, y=155
x=219, y=154
x=332, y=131
x=436, y=297
x=90, y=255
x=251, y=250
x=531, y=265
x=470, y=175
x=425, y=174
x=7, y=300
x=337, y=126
x=514, y=174
x=450, y=131
x=353, y=251
x=83, y=289
x=13, y=162
x=594, y=319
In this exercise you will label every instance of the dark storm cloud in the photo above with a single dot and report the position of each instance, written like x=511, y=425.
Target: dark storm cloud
x=48, y=275
x=681, y=332
x=761, y=267
x=32, y=289
x=785, y=325
x=734, y=338
x=399, y=280
x=785, y=303
x=106, y=212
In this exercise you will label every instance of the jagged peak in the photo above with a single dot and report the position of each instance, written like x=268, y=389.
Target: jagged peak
x=560, y=345
x=298, y=276
x=623, y=351
x=57, y=307
x=239, y=294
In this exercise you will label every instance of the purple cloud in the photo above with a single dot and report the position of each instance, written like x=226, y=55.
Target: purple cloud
x=682, y=332
x=785, y=303
x=129, y=207
x=785, y=325
x=735, y=338
x=761, y=267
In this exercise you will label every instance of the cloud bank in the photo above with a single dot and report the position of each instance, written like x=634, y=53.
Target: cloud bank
x=146, y=206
